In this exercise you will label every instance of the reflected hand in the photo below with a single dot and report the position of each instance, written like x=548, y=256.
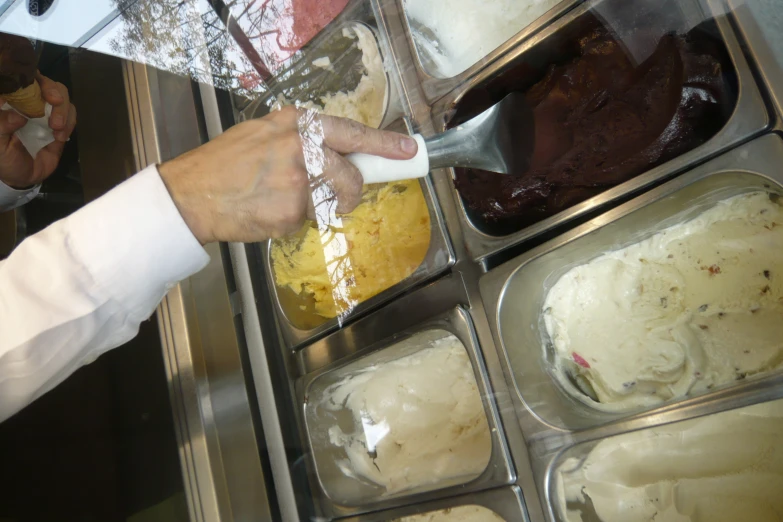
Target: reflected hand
x=17, y=168
x=251, y=183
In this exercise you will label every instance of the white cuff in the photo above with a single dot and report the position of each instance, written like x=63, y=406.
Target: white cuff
x=135, y=243
x=11, y=198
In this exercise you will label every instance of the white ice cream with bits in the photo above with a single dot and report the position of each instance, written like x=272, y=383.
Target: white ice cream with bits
x=723, y=468
x=456, y=34
x=695, y=306
x=418, y=420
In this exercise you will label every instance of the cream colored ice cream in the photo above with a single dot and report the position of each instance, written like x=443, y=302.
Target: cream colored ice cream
x=723, y=468
x=457, y=514
x=695, y=306
x=418, y=420
x=366, y=103
x=455, y=34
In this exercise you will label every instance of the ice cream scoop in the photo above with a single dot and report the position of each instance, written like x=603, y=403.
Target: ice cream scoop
x=500, y=139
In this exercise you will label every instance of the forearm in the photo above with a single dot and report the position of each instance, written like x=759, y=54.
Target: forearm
x=83, y=285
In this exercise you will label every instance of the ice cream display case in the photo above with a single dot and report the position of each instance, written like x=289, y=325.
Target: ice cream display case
x=452, y=372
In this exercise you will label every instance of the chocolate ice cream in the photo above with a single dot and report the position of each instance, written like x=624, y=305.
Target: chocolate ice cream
x=601, y=119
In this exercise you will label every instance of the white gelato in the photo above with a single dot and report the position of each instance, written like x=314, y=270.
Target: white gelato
x=418, y=420
x=695, y=306
x=455, y=34
x=367, y=102
x=457, y=514
x=724, y=468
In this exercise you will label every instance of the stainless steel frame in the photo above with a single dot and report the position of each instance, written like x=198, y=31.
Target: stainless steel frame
x=531, y=443
x=506, y=502
x=761, y=54
x=749, y=118
x=218, y=449
x=551, y=421
x=371, y=337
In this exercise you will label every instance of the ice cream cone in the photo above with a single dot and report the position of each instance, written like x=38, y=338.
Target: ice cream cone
x=28, y=101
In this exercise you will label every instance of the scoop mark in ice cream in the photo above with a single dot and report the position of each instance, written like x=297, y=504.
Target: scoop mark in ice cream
x=600, y=120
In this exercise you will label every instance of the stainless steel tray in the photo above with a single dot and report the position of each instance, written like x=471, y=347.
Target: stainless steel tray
x=438, y=259
x=435, y=87
x=506, y=502
x=368, y=338
x=749, y=118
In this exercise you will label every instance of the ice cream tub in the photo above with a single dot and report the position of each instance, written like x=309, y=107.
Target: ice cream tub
x=406, y=419
x=496, y=505
x=730, y=109
x=403, y=264
x=451, y=43
x=344, y=72
x=560, y=389
x=721, y=467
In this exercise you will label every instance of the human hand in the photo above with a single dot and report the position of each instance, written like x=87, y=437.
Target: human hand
x=252, y=183
x=17, y=168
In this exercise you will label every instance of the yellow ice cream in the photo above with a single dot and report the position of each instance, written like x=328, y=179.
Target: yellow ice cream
x=386, y=239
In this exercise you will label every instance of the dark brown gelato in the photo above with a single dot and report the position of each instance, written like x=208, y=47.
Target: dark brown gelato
x=18, y=63
x=601, y=119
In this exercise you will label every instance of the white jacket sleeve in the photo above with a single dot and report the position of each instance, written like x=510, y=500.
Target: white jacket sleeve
x=83, y=285
x=11, y=198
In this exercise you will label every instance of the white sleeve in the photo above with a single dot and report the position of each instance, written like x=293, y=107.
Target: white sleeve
x=83, y=285
x=11, y=198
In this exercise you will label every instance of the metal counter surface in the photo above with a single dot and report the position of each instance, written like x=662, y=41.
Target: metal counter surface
x=218, y=446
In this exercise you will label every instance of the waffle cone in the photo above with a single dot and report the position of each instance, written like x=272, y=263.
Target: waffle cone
x=28, y=101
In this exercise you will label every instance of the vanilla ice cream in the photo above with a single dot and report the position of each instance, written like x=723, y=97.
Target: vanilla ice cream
x=723, y=468
x=695, y=306
x=457, y=514
x=418, y=421
x=366, y=103
x=455, y=34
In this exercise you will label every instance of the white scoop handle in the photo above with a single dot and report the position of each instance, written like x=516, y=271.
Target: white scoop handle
x=376, y=169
